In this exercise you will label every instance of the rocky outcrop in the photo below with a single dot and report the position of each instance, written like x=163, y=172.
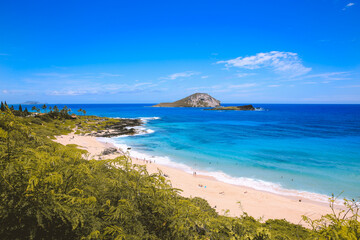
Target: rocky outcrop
x=236, y=108
x=194, y=100
x=122, y=127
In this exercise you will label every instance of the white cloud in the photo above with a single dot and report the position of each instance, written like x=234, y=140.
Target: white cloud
x=204, y=77
x=181, y=75
x=348, y=5
x=274, y=85
x=5, y=91
x=280, y=62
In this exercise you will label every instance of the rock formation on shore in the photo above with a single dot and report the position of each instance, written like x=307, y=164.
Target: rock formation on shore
x=194, y=100
x=236, y=108
x=122, y=127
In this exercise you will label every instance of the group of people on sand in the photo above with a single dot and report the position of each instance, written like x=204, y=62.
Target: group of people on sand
x=145, y=160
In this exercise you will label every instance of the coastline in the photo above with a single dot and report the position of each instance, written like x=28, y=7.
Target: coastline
x=228, y=199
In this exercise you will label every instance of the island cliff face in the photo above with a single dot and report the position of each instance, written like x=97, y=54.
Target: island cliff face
x=194, y=100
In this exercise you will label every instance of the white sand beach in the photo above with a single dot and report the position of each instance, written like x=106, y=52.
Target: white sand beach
x=228, y=199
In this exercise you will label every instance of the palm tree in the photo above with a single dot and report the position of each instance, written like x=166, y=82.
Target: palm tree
x=80, y=110
x=56, y=109
x=44, y=107
x=84, y=112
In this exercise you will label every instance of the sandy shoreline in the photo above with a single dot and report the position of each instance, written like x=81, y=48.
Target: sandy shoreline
x=222, y=196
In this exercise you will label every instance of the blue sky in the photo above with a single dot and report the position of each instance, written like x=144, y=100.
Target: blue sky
x=151, y=51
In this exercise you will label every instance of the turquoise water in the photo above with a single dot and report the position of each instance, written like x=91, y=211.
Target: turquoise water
x=312, y=148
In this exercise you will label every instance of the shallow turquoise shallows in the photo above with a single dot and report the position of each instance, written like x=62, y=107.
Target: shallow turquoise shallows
x=312, y=148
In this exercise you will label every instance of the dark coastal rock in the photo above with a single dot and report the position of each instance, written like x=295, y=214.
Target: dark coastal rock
x=194, y=100
x=123, y=127
x=109, y=151
x=236, y=108
x=246, y=107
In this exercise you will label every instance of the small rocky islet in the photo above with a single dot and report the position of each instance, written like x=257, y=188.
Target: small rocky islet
x=204, y=100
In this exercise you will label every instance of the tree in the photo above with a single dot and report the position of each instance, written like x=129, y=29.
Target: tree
x=20, y=108
x=2, y=107
x=84, y=111
x=6, y=105
x=80, y=110
x=55, y=109
x=65, y=111
x=12, y=108
x=26, y=112
x=44, y=107
x=35, y=109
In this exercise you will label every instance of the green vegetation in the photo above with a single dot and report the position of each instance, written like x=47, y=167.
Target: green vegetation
x=48, y=191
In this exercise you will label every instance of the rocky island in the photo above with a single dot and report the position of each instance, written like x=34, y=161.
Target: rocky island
x=194, y=100
x=236, y=108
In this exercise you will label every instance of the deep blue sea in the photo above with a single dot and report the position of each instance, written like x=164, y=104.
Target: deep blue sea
x=311, y=148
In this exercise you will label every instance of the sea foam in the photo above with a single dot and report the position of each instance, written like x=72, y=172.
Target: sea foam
x=220, y=176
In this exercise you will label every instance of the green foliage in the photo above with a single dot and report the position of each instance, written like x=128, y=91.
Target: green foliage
x=343, y=224
x=48, y=191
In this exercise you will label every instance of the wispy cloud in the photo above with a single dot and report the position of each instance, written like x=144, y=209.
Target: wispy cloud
x=348, y=5
x=349, y=86
x=327, y=77
x=111, y=75
x=83, y=75
x=241, y=75
x=244, y=85
x=274, y=85
x=280, y=62
x=181, y=75
x=103, y=89
x=54, y=75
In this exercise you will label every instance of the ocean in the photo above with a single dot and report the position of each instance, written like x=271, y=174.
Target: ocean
x=281, y=148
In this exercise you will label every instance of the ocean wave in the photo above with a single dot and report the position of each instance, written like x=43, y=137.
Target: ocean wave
x=140, y=130
x=162, y=160
x=146, y=119
x=223, y=177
